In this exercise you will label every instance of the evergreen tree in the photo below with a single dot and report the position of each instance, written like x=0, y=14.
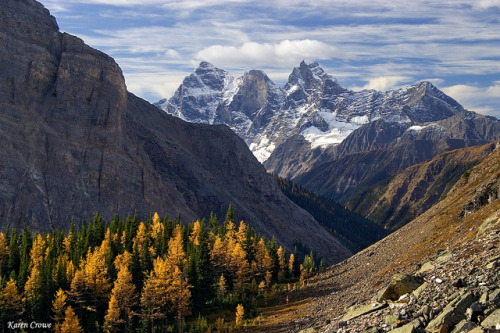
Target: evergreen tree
x=24, y=257
x=213, y=224
x=202, y=291
x=229, y=218
x=14, y=255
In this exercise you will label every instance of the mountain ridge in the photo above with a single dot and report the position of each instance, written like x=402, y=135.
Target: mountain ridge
x=311, y=104
x=75, y=142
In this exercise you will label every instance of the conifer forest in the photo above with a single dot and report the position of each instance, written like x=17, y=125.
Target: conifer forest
x=156, y=275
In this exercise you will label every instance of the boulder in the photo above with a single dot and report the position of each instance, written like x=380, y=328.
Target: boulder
x=453, y=313
x=492, y=321
x=408, y=328
x=401, y=284
x=360, y=310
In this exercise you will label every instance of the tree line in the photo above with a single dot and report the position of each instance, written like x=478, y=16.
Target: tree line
x=152, y=275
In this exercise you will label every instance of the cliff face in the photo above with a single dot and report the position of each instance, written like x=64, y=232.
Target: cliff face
x=75, y=142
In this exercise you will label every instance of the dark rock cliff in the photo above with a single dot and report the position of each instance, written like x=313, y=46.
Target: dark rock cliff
x=75, y=142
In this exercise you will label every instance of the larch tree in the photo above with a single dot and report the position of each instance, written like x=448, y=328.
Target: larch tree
x=112, y=320
x=180, y=295
x=221, y=287
x=291, y=262
x=217, y=254
x=4, y=253
x=282, y=263
x=155, y=297
x=124, y=290
x=71, y=323
x=95, y=274
x=32, y=287
x=194, y=237
x=240, y=312
x=176, y=255
x=141, y=237
x=11, y=303
x=59, y=307
x=240, y=267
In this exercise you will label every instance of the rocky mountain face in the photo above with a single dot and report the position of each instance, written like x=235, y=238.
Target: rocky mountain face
x=397, y=200
x=75, y=142
x=311, y=105
x=380, y=150
x=438, y=273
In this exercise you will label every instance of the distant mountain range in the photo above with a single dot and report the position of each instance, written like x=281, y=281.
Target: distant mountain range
x=328, y=139
x=312, y=104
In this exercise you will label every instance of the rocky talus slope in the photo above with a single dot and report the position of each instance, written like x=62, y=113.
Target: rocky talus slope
x=75, y=142
x=439, y=273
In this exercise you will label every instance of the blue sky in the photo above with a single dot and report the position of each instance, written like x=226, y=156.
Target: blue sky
x=365, y=44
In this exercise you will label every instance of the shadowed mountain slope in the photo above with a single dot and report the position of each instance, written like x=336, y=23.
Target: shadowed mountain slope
x=75, y=142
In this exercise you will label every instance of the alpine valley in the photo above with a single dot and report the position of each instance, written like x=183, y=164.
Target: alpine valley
x=417, y=169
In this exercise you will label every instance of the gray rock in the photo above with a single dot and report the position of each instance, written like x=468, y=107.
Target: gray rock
x=464, y=326
x=494, y=296
x=408, y=328
x=492, y=321
x=401, y=284
x=453, y=313
x=361, y=310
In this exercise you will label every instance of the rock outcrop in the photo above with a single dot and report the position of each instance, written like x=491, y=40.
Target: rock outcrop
x=75, y=142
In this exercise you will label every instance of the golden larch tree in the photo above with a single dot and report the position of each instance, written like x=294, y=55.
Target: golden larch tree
x=291, y=262
x=221, y=287
x=195, y=233
x=180, y=295
x=32, y=286
x=217, y=254
x=124, y=291
x=71, y=323
x=282, y=263
x=241, y=234
x=112, y=320
x=240, y=312
x=11, y=303
x=140, y=237
x=240, y=267
x=176, y=255
x=59, y=307
x=155, y=296
x=4, y=250
x=95, y=272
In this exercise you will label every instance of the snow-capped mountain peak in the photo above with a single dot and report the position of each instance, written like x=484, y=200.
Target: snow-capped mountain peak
x=311, y=104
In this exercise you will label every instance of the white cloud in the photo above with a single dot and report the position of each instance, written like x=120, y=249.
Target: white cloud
x=284, y=53
x=384, y=83
x=485, y=4
x=153, y=86
x=477, y=98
